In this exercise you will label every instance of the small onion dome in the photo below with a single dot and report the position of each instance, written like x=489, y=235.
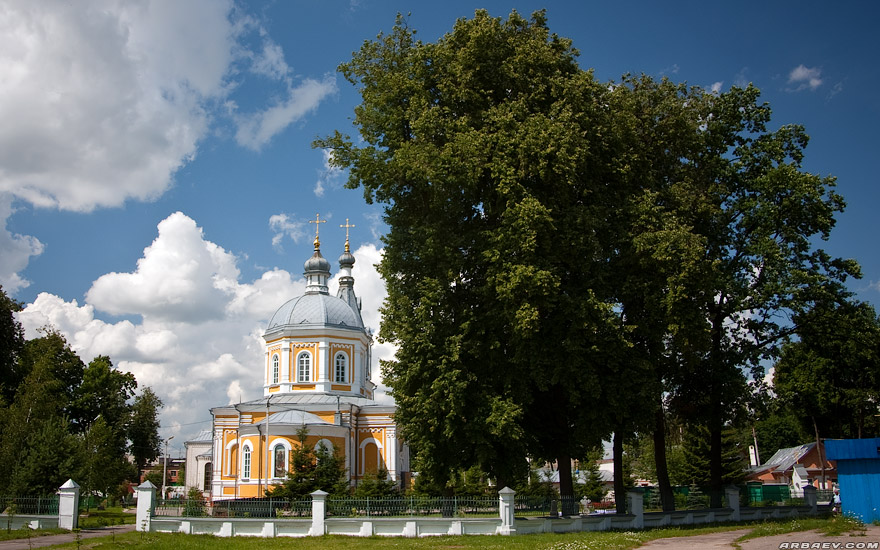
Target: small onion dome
x=346, y=260
x=317, y=263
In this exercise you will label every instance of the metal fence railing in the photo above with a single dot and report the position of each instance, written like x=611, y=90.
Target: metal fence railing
x=47, y=505
x=526, y=506
x=347, y=507
x=235, y=508
x=407, y=506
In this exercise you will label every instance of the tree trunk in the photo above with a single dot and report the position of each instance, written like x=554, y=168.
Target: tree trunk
x=568, y=506
x=716, y=474
x=667, y=499
x=819, y=451
x=619, y=487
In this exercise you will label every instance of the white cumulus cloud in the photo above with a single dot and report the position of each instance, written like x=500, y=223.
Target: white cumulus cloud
x=197, y=334
x=256, y=129
x=803, y=77
x=104, y=101
x=181, y=277
x=16, y=250
x=285, y=225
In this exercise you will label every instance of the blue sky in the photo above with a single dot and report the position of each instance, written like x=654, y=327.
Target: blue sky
x=156, y=173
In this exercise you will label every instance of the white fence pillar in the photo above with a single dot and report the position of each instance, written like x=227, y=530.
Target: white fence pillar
x=146, y=493
x=731, y=494
x=68, y=505
x=319, y=511
x=811, y=499
x=506, y=509
x=637, y=508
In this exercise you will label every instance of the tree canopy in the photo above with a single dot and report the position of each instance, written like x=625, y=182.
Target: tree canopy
x=62, y=419
x=567, y=258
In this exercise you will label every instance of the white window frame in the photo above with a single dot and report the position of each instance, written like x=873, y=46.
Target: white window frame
x=276, y=368
x=246, y=461
x=344, y=367
x=304, y=369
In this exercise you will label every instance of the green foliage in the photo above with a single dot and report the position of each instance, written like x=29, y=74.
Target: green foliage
x=831, y=375
x=11, y=345
x=312, y=469
x=594, y=488
x=556, y=241
x=536, y=486
x=143, y=428
x=375, y=486
x=697, y=454
x=64, y=419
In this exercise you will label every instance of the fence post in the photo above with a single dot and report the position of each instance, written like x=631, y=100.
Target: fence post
x=146, y=493
x=319, y=510
x=731, y=493
x=68, y=505
x=811, y=499
x=506, y=509
x=637, y=508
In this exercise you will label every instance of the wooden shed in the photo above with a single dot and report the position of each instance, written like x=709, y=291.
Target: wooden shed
x=858, y=474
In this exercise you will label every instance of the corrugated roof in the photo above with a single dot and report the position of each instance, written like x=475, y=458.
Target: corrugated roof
x=204, y=435
x=849, y=449
x=783, y=459
x=300, y=418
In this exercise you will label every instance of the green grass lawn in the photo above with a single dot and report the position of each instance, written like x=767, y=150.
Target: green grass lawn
x=103, y=518
x=617, y=540
x=91, y=520
x=24, y=533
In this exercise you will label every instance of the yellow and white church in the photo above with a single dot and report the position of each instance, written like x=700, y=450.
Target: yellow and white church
x=316, y=374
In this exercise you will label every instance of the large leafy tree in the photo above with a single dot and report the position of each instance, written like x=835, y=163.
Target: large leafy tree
x=68, y=420
x=11, y=344
x=555, y=241
x=487, y=149
x=719, y=256
x=830, y=377
x=143, y=428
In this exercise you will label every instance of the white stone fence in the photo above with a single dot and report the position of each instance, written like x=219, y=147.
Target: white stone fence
x=505, y=524
x=67, y=516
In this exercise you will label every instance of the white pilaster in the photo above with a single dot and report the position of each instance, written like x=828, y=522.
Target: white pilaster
x=146, y=492
x=391, y=452
x=68, y=505
x=319, y=510
x=285, y=362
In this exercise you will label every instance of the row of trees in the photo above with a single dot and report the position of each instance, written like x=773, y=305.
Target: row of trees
x=62, y=419
x=570, y=260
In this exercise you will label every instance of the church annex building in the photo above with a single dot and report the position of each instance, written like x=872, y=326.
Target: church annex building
x=316, y=374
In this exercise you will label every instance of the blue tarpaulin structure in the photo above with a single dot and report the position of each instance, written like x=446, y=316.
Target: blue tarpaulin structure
x=858, y=475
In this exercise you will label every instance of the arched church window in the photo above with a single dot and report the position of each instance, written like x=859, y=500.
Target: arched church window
x=276, y=368
x=304, y=370
x=280, y=454
x=341, y=368
x=246, y=463
x=208, y=477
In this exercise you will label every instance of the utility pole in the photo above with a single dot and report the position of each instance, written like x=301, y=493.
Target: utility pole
x=165, y=465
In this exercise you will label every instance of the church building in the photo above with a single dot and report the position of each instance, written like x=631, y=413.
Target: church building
x=316, y=374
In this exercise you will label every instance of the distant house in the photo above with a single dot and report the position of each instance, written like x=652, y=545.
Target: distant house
x=858, y=462
x=796, y=467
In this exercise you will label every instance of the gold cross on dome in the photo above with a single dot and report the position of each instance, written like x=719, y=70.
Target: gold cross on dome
x=347, y=226
x=317, y=221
